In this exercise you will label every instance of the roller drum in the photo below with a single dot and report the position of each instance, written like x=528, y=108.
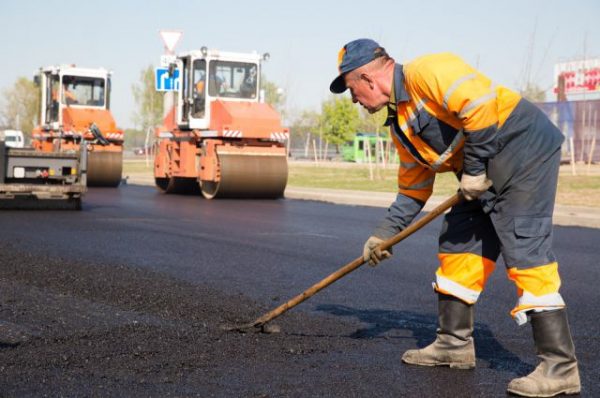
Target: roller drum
x=104, y=168
x=248, y=176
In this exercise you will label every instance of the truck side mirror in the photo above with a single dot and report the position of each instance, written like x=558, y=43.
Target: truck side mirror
x=36, y=80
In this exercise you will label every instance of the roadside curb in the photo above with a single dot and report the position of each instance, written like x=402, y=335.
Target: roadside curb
x=563, y=215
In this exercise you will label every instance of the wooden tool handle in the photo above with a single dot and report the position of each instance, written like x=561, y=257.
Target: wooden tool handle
x=412, y=228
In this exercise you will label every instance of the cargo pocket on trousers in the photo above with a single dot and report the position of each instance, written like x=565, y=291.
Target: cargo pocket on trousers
x=531, y=227
x=526, y=240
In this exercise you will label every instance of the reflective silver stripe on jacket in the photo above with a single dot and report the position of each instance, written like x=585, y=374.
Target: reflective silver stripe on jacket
x=427, y=183
x=408, y=165
x=481, y=100
x=413, y=116
x=455, y=86
x=444, y=156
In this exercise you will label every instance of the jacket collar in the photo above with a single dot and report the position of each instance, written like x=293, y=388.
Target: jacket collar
x=401, y=95
x=398, y=94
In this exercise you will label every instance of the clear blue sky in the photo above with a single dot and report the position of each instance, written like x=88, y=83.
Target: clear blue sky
x=303, y=37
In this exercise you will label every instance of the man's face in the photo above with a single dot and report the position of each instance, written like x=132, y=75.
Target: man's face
x=364, y=90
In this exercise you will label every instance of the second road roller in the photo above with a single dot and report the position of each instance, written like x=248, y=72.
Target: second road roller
x=219, y=137
x=74, y=111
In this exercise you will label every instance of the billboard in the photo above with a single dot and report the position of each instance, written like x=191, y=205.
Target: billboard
x=578, y=77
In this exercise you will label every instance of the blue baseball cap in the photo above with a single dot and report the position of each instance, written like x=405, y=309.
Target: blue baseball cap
x=354, y=55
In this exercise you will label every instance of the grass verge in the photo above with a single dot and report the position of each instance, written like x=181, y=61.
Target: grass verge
x=582, y=189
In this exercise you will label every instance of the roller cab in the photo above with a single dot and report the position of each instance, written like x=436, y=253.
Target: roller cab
x=219, y=138
x=75, y=107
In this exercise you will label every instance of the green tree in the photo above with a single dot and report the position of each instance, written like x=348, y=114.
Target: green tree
x=533, y=93
x=149, y=102
x=302, y=127
x=373, y=122
x=274, y=95
x=21, y=105
x=134, y=138
x=339, y=120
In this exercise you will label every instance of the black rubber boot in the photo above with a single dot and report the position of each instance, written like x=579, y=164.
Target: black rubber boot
x=453, y=345
x=558, y=372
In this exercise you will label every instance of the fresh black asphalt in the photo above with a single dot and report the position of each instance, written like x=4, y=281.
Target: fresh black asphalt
x=270, y=250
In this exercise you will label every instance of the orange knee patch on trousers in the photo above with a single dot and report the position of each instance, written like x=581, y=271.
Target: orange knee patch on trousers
x=538, y=281
x=469, y=270
x=537, y=289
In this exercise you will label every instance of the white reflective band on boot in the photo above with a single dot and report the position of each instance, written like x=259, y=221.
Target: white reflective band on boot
x=521, y=317
x=547, y=302
x=467, y=295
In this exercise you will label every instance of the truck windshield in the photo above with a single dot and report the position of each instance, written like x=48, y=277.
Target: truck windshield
x=78, y=90
x=233, y=79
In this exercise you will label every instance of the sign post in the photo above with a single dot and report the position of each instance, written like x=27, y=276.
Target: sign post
x=170, y=39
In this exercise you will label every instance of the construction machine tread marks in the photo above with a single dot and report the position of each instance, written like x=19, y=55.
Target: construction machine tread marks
x=104, y=168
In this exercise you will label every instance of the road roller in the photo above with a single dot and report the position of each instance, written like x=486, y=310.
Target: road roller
x=220, y=138
x=75, y=111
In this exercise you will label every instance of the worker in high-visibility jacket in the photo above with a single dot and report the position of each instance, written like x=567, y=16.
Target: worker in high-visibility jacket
x=445, y=116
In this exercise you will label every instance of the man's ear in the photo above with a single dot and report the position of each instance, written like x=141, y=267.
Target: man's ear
x=369, y=79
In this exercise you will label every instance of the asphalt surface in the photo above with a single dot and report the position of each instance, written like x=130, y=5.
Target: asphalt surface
x=128, y=296
x=565, y=215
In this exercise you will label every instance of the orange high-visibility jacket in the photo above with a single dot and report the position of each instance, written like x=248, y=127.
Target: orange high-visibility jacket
x=447, y=116
x=446, y=119
x=450, y=117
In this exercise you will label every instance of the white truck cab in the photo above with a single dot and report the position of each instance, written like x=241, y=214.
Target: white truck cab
x=13, y=138
x=69, y=86
x=207, y=75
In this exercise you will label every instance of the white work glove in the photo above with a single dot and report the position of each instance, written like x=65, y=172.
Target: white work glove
x=373, y=254
x=474, y=186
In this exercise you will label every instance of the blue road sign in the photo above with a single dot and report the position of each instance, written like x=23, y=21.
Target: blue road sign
x=164, y=82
